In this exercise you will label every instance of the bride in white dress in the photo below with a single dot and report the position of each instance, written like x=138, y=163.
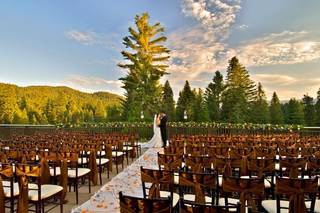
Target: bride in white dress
x=156, y=140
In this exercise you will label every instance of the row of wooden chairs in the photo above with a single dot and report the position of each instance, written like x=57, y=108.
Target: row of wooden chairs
x=67, y=156
x=283, y=140
x=198, y=191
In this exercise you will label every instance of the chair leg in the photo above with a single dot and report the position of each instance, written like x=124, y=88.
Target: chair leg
x=117, y=165
x=38, y=207
x=100, y=177
x=42, y=206
x=76, y=184
x=122, y=160
x=127, y=155
x=12, y=204
x=89, y=183
x=61, y=203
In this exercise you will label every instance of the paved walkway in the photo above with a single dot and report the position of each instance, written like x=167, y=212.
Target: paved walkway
x=128, y=181
x=84, y=194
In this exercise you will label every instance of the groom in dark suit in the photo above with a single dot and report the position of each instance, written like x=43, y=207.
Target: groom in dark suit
x=163, y=128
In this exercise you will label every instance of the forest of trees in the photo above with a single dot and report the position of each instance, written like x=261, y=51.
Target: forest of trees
x=55, y=105
x=238, y=100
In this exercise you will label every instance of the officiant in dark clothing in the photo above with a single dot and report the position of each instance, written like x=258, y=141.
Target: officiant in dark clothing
x=163, y=128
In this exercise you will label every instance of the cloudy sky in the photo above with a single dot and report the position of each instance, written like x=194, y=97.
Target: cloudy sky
x=78, y=43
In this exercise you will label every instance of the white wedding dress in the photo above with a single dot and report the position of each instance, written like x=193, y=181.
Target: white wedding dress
x=156, y=140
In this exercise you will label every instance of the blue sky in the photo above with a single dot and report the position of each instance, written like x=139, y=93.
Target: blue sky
x=78, y=43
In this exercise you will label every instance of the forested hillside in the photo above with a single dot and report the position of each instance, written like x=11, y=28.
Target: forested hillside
x=55, y=105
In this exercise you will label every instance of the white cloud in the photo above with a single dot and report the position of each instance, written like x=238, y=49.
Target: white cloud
x=243, y=27
x=110, y=41
x=274, y=79
x=287, y=86
x=215, y=15
x=82, y=37
x=282, y=48
x=201, y=48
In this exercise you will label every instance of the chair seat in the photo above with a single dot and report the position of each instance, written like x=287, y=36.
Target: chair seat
x=176, y=178
x=277, y=167
x=47, y=190
x=231, y=201
x=85, y=152
x=175, y=198
x=267, y=181
x=117, y=153
x=271, y=206
x=191, y=197
x=220, y=180
x=103, y=161
x=101, y=153
x=128, y=148
x=7, y=191
x=58, y=172
x=81, y=172
x=82, y=161
x=316, y=206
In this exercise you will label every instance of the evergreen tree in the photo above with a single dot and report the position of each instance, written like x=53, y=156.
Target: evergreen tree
x=240, y=91
x=99, y=113
x=213, y=96
x=200, y=111
x=20, y=117
x=317, y=108
x=23, y=103
x=168, y=101
x=32, y=118
x=285, y=112
x=309, y=110
x=88, y=116
x=114, y=113
x=295, y=112
x=259, y=112
x=276, y=114
x=185, y=103
x=146, y=65
x=8, y=103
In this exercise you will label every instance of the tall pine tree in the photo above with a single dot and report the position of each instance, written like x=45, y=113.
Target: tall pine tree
x=185, y=103
x=259, y=112
x=276, y=114
x=317, y=108
x=200, y=110
x=146, y=65
x=295, y=112
x=240, y=91
x=213, y=95
x=168, y=101
x=309, y=110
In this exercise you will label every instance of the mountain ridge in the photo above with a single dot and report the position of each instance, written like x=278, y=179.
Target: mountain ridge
x=53, y=104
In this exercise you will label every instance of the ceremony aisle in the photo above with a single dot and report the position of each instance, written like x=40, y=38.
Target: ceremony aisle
x=128, y=181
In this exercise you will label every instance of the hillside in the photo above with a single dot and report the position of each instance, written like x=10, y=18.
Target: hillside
x=53, y=105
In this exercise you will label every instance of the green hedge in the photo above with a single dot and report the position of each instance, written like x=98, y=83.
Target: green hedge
x=145, y=129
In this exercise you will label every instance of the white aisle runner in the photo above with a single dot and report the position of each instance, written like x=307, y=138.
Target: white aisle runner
x=128, y=181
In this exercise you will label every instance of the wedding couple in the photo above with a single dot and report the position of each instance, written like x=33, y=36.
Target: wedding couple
x=159, y=138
